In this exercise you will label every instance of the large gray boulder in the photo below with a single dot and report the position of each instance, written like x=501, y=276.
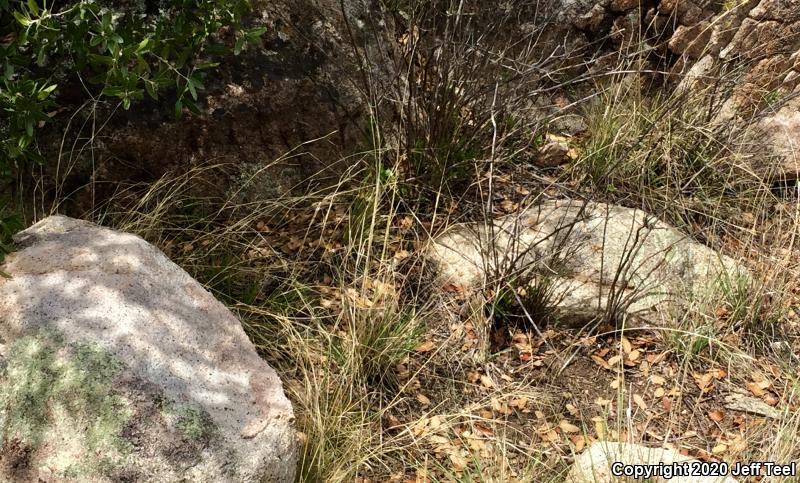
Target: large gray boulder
x=115, y=365
x=596, y=258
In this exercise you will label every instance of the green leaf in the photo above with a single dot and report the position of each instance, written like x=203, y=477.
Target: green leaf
x=143, y=45
x=114, y=91
x=191, y=106
x=33, y=7
x=256, y=33
x=142, y=67
x=40, y=57
x=207, y=65
x=126, y=103
x=149, y=86
x=22, y=19
x=237, y=49
x=178, y=109
x=45, y=93
x=218, y=50
x=101, y=59
x=191, y=86
x=22, y=142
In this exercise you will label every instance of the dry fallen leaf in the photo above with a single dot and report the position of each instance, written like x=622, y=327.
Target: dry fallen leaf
x=406, y=222
x=719, y=449
x=484, y=430
x=394, y=422
x=439, y=440
x=704, y=381
x=519, y=403
x=500, y=407
x=626, y=345
x=634, y=355
x=657, y=380
x=654, y=359
x=771, y=400
x=659, y=392
x=639, y=400
x=425, y=347
x=716, y=415
x=420, y=427
x=602, y=402
x=520, y=338
x=487, y=381
x=568, y=427
x=601, y=362
x=579, y=442
x=572, y=409
x=459, y=462
x=599, y=427
x=756, y=389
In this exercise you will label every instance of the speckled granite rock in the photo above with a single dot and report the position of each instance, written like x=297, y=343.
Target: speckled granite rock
x=596, y=257
x=117, y=365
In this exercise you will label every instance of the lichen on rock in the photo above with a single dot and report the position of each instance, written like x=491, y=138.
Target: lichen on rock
x=58, y=402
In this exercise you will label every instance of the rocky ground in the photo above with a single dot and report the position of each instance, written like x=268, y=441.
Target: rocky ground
x=478, y=242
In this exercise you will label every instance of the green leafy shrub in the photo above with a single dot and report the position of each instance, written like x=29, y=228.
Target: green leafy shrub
x=120, y=50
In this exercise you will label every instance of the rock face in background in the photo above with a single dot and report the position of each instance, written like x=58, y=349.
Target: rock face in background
x=745, y=51
x=300, y=97
x=595, y=258
x=594, y=464
x=115, y=365
x=775, y=142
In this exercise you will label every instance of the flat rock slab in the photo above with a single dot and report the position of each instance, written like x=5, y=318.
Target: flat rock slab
x=595, y=258
x=99, y=330
x=595, y=464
